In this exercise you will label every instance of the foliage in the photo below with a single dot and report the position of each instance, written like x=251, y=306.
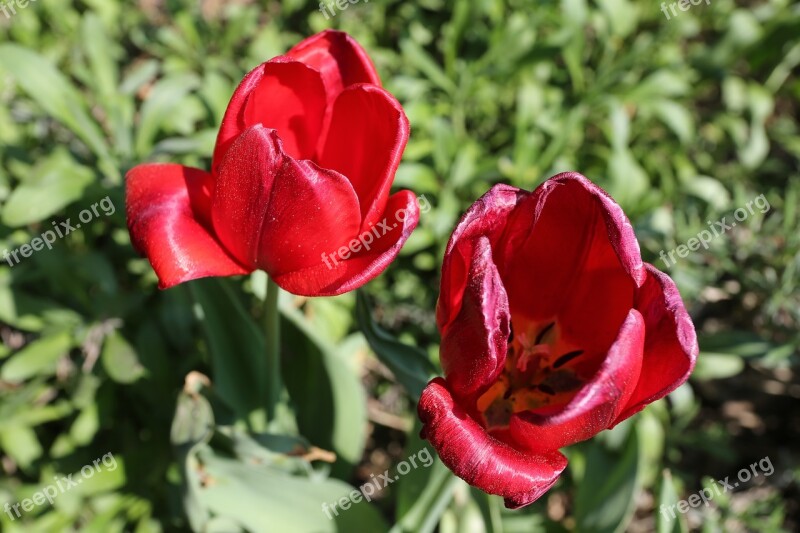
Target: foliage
x=683, y=121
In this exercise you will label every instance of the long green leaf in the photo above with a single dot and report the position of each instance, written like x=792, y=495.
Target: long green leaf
x=423, y=494
x=668, y=519
x=328, y=398
x=237, y=349
x=266, y=499
x=410, y=365
x=605, y=500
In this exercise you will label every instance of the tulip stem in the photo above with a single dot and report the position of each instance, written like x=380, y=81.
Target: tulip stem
x=272, y=335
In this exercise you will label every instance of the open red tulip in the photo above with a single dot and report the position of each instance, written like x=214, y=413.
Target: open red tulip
x=299, y=183
x=553, y=329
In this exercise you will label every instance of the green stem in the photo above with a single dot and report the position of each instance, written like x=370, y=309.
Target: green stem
x=272, y=335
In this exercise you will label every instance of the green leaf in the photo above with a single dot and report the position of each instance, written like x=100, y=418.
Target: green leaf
x=651, y=442
x=757, y=148
x=420, y=177
x=417, y=57
x=677, y=118
x=490, y=507
x=736, y=342
x=57, y=96
x=605, y=499
x=85, y=426
x=268, y=449
x=120, y=360
x=668, y=520
x=21, y=444
x=156, y=110
x=329, y=399
x=138, y=76
x=193, y=422
x=717, y=366
x=432, y=497
x=57, y=182
x=236, y=347
x=118, y=107
x=424, y=493
x=38, y=358
x=262, y=498
x=710, y=190
x=98, y=47
x=409, y=364
x=629, y=182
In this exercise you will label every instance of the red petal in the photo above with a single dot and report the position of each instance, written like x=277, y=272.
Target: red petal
x=670, y=349
x=277, y=212
x=339, y=58
x=168, y=216
x=473, y=350
x=597, y=404
x=594, y=307
x=566, y=227
x=479, y=459
x=487, y=216
x=281, y=94
x=367, y=136
x=336, y=275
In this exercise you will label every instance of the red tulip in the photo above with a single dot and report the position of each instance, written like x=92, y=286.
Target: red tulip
x=299, y=183
x=553, y=329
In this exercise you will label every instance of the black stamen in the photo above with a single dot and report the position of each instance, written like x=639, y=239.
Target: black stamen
x=510, y=332
x=542, y=333
x=507, y=395
x=566, y=358
x=547, y=389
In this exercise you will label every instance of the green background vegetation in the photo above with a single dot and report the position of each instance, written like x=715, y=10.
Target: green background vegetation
x=682, y=121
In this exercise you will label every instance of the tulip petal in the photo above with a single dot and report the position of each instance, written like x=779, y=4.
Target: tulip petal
x=566, y=227
x=311, y=212
x=281, y=94
x=339, y=58
x=478, y=458
x=473, y=349
x=593, y=310
x=670, y=349
x=369, y=254
x=279, y=213
x=366, y=139
x=487, y=216
x=168, y=219
x=597, y=404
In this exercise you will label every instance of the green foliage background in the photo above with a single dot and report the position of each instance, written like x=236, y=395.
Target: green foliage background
x=682, y=121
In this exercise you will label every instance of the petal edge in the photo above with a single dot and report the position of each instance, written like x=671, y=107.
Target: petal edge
x=479, y=459
x=167, y=208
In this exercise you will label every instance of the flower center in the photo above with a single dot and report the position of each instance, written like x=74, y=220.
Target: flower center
x=540, y=374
